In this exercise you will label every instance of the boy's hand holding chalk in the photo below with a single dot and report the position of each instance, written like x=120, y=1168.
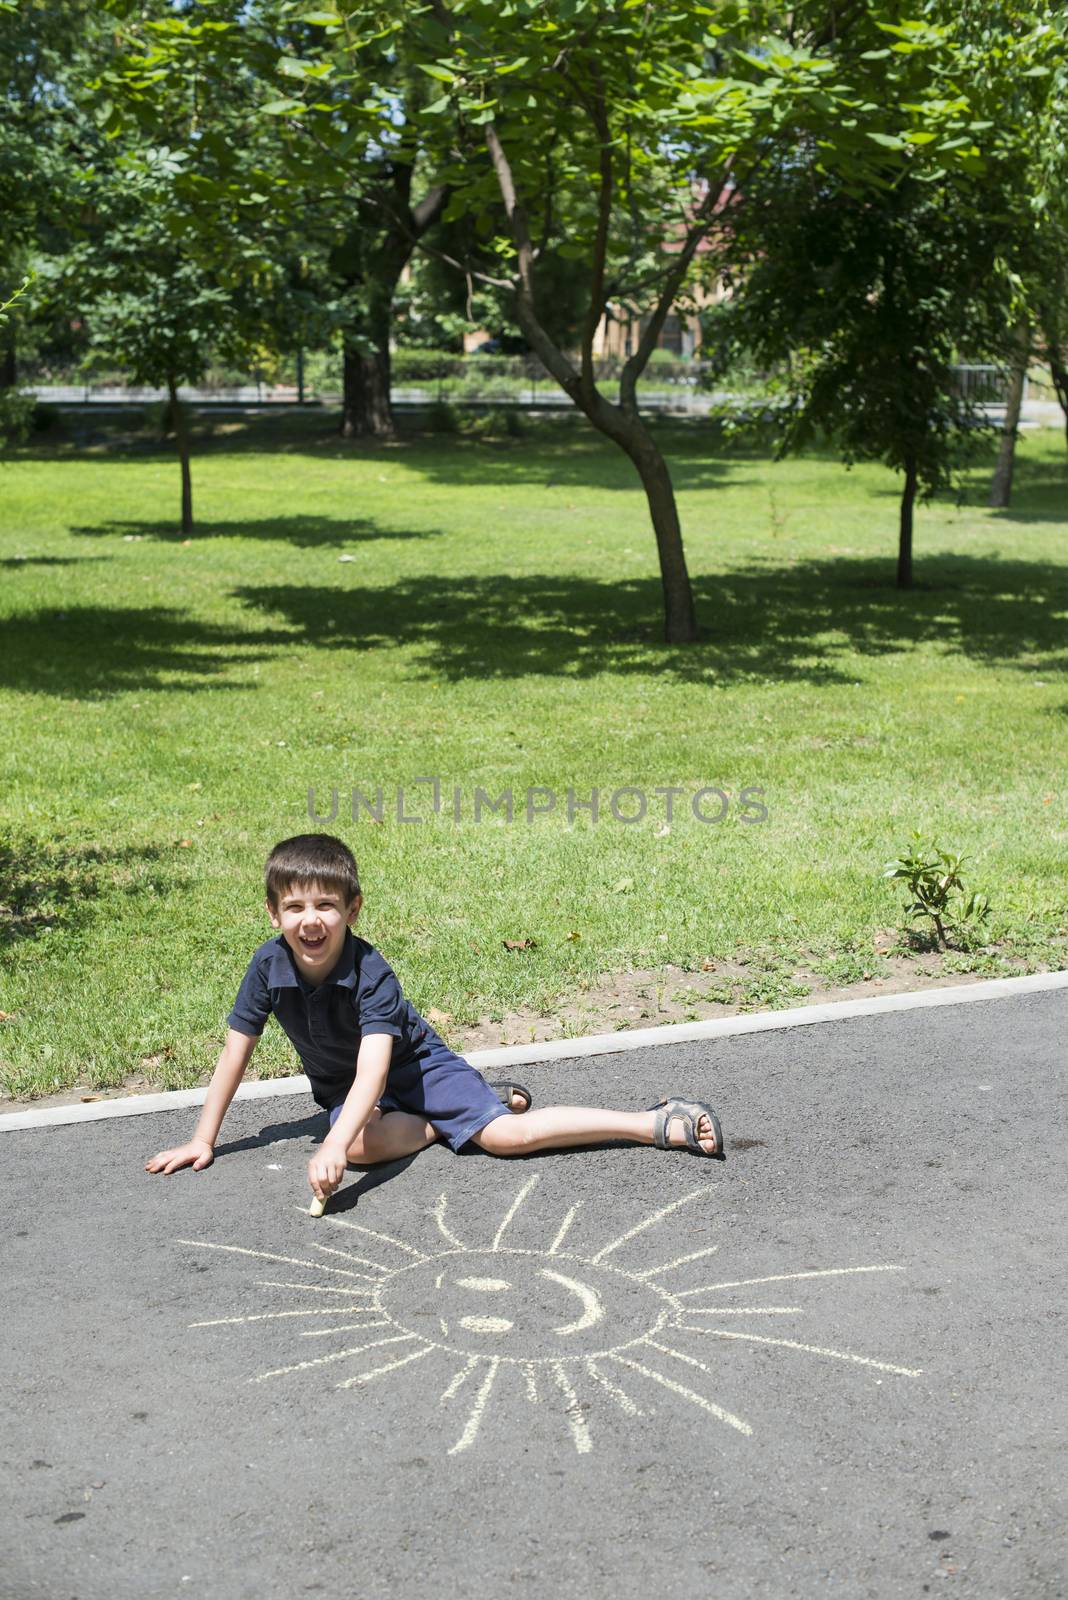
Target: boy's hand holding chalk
x=326, y=1172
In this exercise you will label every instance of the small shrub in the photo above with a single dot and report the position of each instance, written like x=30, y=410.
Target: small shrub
x=933, y=881
x=491, y=424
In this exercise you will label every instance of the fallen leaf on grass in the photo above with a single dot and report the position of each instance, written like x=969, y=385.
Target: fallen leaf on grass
x=435, y=1016
x=573, y=936
x=7, y=1016
x=708, y=965
x=520, y=944
x=85, y=1098
x=184, y=844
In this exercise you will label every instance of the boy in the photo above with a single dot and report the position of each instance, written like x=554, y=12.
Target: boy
x=389, y=1083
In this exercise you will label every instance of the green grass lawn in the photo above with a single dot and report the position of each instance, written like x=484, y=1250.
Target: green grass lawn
x=167, y=705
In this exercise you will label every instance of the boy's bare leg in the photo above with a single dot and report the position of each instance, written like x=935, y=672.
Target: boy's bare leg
x=388, y=1136
x=557, y=1127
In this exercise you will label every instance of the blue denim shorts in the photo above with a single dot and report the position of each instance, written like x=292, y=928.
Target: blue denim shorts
x=444, y=1089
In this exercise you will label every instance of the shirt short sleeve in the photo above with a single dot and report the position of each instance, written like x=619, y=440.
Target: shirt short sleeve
x=253, y=1004
x=380, y=1003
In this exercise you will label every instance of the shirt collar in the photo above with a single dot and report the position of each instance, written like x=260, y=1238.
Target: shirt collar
x=282, y=972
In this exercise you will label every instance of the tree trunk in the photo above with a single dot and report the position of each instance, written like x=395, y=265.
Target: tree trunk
x=365, y=404
x=181, y=434
x=904, y=547
x=1001, y=487
x=680, y=618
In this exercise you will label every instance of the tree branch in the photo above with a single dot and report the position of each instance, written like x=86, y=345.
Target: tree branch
x=595, y=310
x=635, y=365
x=429, y=208
x=552, y=357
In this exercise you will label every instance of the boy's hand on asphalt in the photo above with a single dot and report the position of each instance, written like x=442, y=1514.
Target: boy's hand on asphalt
x=198, y=1154
x=326, y=1169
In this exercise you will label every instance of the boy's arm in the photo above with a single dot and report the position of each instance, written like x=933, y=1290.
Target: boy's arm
x=229, y=1070
x=326, y=1169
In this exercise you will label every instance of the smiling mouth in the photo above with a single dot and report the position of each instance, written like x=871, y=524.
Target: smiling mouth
x=312, y=944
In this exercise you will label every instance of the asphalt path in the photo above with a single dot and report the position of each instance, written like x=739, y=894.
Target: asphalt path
x=832, y=1364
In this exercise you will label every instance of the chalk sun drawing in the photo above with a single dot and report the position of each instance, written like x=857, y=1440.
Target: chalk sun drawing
x=547, y=1319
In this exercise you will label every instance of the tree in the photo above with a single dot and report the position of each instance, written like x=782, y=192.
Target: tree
x=865, y=296
x=863, y=303
x=333, y=155
x=629, y=137
x=147, y=302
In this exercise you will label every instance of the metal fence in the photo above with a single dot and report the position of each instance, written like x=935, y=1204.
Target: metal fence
x=421, y=379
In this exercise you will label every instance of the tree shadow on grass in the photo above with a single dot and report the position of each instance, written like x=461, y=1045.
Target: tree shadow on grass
x=305, y=532
x=586, y=463
x=14, y=563
x=806, y=622
x=95, y=651
x=49, y=885
x=565, y=452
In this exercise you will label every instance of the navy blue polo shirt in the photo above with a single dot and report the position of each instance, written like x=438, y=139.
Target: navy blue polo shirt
x=325, y=1022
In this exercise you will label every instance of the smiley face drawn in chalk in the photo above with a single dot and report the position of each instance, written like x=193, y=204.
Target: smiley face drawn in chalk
x=590, y=1300
x=529, y=1314
x=564, y=1326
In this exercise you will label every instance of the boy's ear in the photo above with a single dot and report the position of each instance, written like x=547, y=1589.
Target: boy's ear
x=354, y=910
x=272, y=913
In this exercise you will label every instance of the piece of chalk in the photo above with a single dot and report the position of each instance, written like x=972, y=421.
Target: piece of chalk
x=317, y=1208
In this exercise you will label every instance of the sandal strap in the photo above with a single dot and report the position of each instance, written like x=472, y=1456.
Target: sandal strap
x=666, y=1112
x=688, y=1112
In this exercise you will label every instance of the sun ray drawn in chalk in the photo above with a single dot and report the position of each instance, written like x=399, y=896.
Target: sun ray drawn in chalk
x=559, y=1327
x=345, y=1327
x=312, y=1288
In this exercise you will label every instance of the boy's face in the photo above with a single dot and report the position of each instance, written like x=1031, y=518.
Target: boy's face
x=313, y=920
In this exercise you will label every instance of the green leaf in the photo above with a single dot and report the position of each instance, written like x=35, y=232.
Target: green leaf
x=441, y=73
x=294, y=67
x=282, y=108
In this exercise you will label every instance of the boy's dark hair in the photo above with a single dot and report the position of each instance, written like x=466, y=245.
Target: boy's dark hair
x=311, y=858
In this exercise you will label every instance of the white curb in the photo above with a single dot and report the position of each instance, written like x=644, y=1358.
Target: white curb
x=596, y=1044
